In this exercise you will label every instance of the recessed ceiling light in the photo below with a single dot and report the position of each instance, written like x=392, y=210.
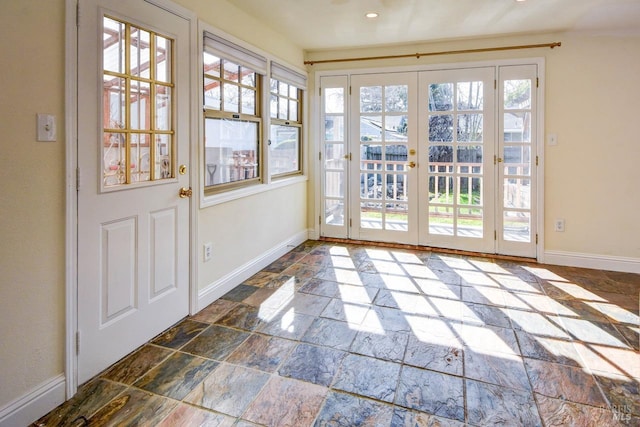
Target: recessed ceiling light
x=371, y=15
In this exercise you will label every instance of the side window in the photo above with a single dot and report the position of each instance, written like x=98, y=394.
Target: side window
x=232, y=115
x=285, y=133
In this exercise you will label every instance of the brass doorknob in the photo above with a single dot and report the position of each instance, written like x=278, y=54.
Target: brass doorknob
x=411, y=165
x=185, y=192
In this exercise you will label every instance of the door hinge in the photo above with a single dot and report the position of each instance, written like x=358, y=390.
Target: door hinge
x=319, y=155
x=350, y=222
x=536, y=238
x=78, y=14
x=349, y=156
x=349, y=90
x=320, y=91
x=77, y=342
x=495, y=84
x=495, y=234
x=319, y=219
x=78, y=178
x=536, y=160
x=537, y=82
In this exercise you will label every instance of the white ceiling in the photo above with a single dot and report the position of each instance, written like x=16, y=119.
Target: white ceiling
x=334, y=24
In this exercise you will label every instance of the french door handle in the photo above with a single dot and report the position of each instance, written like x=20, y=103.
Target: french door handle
x=185, y=192
x=411, y=165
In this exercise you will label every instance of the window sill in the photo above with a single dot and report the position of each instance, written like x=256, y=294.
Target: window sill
x=216, y=199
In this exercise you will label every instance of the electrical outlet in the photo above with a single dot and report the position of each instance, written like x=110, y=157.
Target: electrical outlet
x=207, y=251
x=559, y=225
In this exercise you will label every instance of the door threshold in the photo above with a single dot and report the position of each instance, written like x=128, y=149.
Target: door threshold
x=430, y=249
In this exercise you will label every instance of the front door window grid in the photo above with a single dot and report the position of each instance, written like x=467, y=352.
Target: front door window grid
x=137, y=98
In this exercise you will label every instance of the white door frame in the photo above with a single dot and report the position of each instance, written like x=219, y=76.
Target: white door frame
x=71, y=167
x=540, y=128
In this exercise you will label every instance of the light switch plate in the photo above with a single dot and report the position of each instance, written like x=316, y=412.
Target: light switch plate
x=46, y=127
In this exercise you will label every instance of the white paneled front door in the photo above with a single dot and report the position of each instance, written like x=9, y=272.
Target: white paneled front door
x=133, y=158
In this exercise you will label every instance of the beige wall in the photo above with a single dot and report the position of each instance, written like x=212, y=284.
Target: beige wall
x=32, y=199
x=32, y=203
x=592, y=92
x=244, y=229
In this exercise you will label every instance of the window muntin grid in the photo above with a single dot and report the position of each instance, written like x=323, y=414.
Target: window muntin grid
x=137, y=105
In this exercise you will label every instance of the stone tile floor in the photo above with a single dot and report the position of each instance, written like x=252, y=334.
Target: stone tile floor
x=335, y=334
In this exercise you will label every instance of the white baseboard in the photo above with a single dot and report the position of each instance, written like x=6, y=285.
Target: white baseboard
x=226, y=283
x=34, y=404
x=601, y=262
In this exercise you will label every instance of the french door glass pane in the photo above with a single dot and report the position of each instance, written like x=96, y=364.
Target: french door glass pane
x=441, y=128
x=469, y=127
x=441, y=220
x=371, y=186
x=517, y=226
x=334, y=128
x=334, y=156
x=517, y=94
x=334, y=100
x=517, y=193
x=441, y=97
x=470, y=95
x=371, y=128
x=395, y=99
x=517, y=127
x=371, y=99
x=469, y=159
x=371, y=215
x=334, y=212
x=334, y=184
x=517, y=160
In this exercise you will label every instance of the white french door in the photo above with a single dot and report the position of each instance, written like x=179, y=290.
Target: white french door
x=133, y=158
x=442, y=158
x=334, y=156
x=517, y=161
x=383, y=150
x=457, y=146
